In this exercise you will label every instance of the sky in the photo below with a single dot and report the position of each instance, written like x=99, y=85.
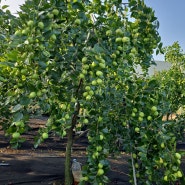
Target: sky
x=170, y=14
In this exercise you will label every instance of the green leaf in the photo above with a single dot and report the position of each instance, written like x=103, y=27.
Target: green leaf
x=6, y=64
x=18, y=116
x=105, y=179
x=25, y=101
x=157, y=51
x=160, y=45
x=12, y=55
x=142, y=149
x=82, y=183
x=14, y=144
x=2, y=79
x=42, y=64
x=21, y=140
x=133, y=3
x=5, y=6
x=2, y=37
x=37, y=142
x=77, y=5
x=46, y=53
x=105, y=130
x=16, y=108
x=98, y=49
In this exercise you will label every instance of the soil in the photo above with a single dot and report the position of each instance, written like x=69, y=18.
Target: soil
x=45, y=165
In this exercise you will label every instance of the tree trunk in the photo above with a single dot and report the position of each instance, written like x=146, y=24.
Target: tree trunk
x=68, y=173
x=70, y=139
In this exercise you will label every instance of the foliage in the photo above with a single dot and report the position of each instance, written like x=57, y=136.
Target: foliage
x=173, y=79
x=75, y=60
x=175, y=55
x=150, y=140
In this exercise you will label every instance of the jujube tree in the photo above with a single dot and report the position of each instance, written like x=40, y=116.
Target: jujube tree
x=75, y=60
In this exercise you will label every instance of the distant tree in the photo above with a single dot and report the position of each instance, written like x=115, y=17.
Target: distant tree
x=173, y=84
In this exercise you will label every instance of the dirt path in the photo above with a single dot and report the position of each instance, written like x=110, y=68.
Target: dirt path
x=45, y=165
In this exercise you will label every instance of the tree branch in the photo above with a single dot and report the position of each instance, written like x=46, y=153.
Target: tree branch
x=80, y=135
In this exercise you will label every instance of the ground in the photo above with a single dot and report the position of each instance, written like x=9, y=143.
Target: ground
x=45, y=165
